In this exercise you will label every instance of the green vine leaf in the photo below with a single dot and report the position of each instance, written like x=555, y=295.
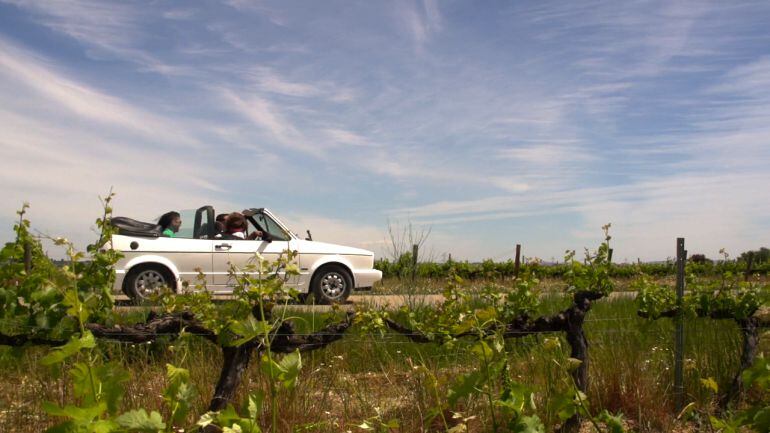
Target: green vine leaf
x=141, y=421
x=72, y=347
x=248, y=329
x=528, y=424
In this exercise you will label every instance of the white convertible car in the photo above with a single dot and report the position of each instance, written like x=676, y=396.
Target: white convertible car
x=151, y=261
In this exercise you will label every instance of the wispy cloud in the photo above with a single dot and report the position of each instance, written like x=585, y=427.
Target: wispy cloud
x=83, y=101
x=420, y=20
x=345, y=137
x=60, y=169
x=95, y=22
x=180, y=14
x=545, y=154
x=266, y=115
x=274, y=15
x=269, y=80
x=646, y=216
x=107, y=29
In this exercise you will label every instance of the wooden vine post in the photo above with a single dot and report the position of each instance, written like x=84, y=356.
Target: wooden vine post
x=517, y=262
x=681, y=259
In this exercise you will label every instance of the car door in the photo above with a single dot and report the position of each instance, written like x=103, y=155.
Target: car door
x=240, y=253
x=190, y=250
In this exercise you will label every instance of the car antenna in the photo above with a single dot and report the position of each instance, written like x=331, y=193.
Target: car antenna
x=309, y=236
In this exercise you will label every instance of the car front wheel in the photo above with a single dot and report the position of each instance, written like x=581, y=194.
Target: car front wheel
x=331, y=285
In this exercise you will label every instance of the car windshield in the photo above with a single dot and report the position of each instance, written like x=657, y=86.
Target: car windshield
x=271, y=226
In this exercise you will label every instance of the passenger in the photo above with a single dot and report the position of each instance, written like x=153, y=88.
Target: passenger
x=235, y=226
x=169, y=223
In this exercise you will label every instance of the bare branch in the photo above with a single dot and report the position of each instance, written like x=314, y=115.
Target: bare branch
x=287, y=343
x=155, y=327
x=21, y=340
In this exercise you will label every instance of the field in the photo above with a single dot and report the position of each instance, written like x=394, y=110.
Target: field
x=377, y=380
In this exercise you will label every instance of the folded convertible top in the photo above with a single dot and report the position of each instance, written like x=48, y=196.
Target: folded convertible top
x=132, y=227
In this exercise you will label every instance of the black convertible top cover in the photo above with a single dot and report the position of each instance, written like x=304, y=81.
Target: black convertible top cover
x=132, y=227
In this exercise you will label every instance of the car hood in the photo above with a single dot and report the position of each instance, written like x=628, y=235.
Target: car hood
x=314, y=247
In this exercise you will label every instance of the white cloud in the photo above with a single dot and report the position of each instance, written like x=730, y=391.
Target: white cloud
x=108, y=29
x=180, y=14
x=63, y=143
x=711, y=212
x=60, y=170
x=274, y=16
x=545, y=154
x=421, y=23
x=92, y=21
x=337, y=231
x=345, y=137
x=748, y=80
x=268, y=80
x=512, y=184
x=84, y=102
x=433, y=15
x=267, y=116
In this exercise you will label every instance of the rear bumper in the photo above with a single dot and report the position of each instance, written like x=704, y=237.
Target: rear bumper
x=366, y=278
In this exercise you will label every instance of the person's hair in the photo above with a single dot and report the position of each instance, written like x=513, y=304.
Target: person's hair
x=235, y=221
x=221, y=217
x=167, y=218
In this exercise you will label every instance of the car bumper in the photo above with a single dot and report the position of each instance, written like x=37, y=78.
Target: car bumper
x=120, y=276
x=365, y=279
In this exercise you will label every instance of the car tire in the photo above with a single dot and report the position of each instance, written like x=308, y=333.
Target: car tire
x=143, y=281
x=331, y=284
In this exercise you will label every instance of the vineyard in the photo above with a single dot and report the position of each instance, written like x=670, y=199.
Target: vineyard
x=754, y=262
x=500, y=355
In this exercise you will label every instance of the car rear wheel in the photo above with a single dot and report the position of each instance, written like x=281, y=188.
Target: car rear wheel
x=331, y=284
x=145, y=281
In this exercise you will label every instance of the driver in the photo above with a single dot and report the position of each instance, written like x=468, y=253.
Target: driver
x=220, y=225
x=235, y=228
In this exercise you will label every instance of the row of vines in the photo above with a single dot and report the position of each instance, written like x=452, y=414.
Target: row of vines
x=70, y=309
x=405, y=267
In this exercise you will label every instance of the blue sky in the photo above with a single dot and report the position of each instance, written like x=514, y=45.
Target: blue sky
x=491, y=123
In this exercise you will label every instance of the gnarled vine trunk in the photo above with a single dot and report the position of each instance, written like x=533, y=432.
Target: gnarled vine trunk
x=750, y=330
x=578, y=342
x=236, y=362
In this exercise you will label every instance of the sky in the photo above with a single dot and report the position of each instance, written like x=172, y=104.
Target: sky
x=487, y=123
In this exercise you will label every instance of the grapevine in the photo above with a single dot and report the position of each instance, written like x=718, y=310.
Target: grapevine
x=730, y=297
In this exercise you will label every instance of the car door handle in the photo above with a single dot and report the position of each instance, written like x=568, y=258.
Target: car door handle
x=223, y=247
